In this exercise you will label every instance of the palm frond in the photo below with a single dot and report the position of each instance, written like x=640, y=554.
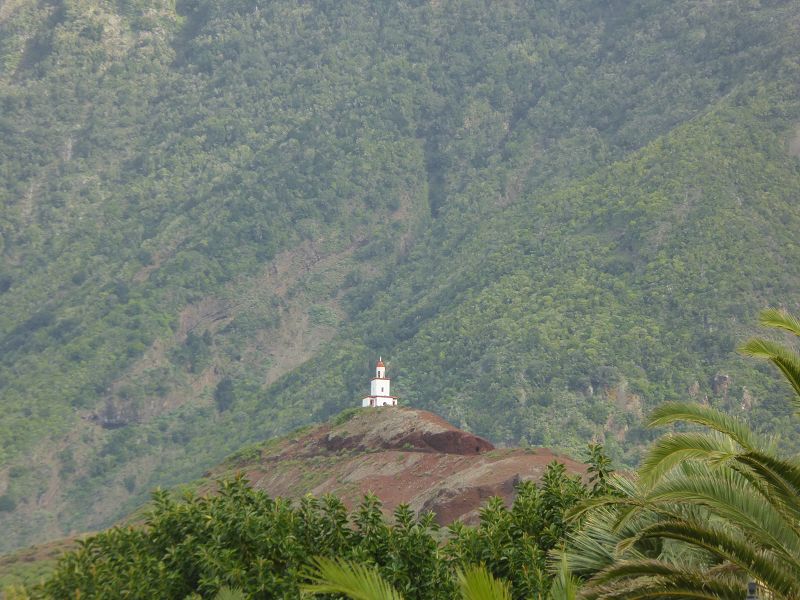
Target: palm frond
x=591, y=548
x=590, y=505
x=780, y=476
x=358, y=582
x=476, y=583
x=565, y=585
x=623, y=489
x=782, y=357
x=627, y=569
x=646, y=579
x=672, y=450
x=780, y=577
x=602, y=539
x=710, y=510
x=729, y=495
x=779, y=319
x=673, y=412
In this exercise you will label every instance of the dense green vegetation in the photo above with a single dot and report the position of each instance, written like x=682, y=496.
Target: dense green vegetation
x=242, y=539
x=544, y=214
x=614, y=277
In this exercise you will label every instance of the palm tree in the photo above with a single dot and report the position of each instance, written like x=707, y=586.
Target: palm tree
x=711, y=509
x=355, y=581
x=782, y=356
x=360, y=582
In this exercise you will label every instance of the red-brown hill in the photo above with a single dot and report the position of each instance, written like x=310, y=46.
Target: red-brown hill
x=401, y=455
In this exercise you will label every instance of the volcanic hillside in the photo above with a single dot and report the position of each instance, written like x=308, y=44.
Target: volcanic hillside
x=401, y=455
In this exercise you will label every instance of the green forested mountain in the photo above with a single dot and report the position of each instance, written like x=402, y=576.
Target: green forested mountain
x=549, y=216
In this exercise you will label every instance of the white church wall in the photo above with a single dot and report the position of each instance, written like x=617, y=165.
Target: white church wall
x=379, y=390
x=379, y=387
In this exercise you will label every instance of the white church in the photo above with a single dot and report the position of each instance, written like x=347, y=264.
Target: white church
x=379, y=389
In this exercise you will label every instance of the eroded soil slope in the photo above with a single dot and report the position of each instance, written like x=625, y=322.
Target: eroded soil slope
x=401, y=455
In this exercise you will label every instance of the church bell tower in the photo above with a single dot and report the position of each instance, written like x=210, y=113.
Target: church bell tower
x=379, y=389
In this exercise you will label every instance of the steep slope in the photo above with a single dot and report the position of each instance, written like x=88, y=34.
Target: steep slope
x=198, y=198
x=571, y=313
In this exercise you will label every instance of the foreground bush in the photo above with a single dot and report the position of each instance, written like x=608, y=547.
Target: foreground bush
x=242, y=539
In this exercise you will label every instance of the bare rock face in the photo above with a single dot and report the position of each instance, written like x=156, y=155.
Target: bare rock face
x=721, y=383
x=449, y=504
x=747, y=399
x=403, y=429
x=403, y=456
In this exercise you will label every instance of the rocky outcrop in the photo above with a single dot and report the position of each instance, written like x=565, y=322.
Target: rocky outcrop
x=720, y=384
x=401, y=429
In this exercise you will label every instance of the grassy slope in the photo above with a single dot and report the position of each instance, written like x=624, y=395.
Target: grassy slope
x=203, y=192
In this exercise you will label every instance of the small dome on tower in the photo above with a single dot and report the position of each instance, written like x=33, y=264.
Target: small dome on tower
x=380, y=363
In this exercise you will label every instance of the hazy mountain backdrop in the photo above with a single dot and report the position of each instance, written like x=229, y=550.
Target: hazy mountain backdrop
x=547, y=216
